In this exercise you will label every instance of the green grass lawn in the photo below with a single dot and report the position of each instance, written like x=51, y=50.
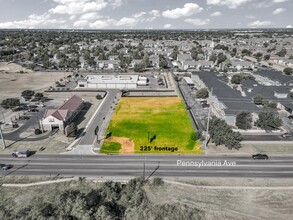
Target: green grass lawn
x=161, y=119
x=110, y=147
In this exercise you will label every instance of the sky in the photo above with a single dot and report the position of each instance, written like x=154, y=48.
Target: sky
x=145, y=14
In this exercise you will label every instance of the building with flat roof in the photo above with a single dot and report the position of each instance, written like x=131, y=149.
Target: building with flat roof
x=108, y=82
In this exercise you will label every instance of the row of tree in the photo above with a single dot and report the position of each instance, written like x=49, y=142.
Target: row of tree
x=266, y=121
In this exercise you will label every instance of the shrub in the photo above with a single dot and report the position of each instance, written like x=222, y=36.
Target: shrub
x=38, y=131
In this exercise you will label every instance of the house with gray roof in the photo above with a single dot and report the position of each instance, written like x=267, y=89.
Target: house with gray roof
x=226, y=102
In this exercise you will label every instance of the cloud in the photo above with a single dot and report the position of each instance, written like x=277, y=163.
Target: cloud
x=35, y=21
x=116, y=3
x=100, y=24
x=187, y=10
x=228, y=3
x=279, y=1
x=197, y=22
x=258, y=23
x=155, y=13
x=75, y=7
x=166, y=26
x=215, y=14
x=139, y=15
x=128, y=22
x=278, y=11
x=289, y=26
x=90, y=16
x=250, y=16
x=81, y=23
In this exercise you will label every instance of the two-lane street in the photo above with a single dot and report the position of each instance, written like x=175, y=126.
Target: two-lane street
x=127, y=166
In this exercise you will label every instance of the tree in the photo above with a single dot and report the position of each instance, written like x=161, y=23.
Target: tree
x=27, y=94
x=202, y=93
x=221, y=58
x=236, y=79
x=146, y=60
x=258, y=56
x=174, y=53
x=213, y=57
x=138, y=67
x=71, y=130
x=268, y=121
x=39, y=95
x=244, y=120
x=282, y=52
x=272, y=105
x=267, y=57
x=258, y=100
x=10, y=103
x=222, y=134
x=162, y=62
x=99, y=97
x=288, y=71
x=245, y=52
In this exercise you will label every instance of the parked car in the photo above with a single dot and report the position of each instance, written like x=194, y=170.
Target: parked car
x=290, y=116
x=260, y=157
x=33, y=110
x=6, y=167
x=285, y=135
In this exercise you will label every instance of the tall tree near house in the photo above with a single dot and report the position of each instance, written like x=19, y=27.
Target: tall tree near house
x=244, y=120
x=268, y=121
x=221, y=58
x=222, y=134
x=146, y=60
x=258, y=100
x=27, y=94
x=236, y=79
x=202, y=93
x=282, y=52
x=174, y=53
x=71, y=130
x=288, y=71
x=10, y=103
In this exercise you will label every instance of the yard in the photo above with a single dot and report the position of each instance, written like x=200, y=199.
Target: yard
x=158, y=125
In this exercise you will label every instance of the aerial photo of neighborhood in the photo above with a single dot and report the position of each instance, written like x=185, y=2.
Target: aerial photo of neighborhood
x=135, y=109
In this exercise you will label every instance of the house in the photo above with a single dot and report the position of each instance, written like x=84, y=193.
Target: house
x=61, y=117
x=241, y=65
x=108, y=64
x=198, y=65
x=226, y=102
x=183, y=57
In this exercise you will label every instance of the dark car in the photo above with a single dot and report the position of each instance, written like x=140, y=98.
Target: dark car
x=290, y=116
x=5, y=167
x=260, y=157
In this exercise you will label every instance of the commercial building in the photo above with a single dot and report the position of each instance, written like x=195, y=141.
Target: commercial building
x=61, y=117
x=108, y=82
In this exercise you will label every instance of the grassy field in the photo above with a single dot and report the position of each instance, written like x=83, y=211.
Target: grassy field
x=152, y=125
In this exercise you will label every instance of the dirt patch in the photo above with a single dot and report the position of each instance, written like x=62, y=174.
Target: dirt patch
x=127, y=145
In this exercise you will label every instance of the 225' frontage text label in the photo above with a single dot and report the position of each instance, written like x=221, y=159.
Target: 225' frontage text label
x=159, y=149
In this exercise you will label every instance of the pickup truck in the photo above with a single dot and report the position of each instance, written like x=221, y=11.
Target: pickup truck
x=21, y=153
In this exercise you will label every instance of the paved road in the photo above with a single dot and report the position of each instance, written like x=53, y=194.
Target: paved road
x=269, y=137
x=125, y=166
x=89, y=136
